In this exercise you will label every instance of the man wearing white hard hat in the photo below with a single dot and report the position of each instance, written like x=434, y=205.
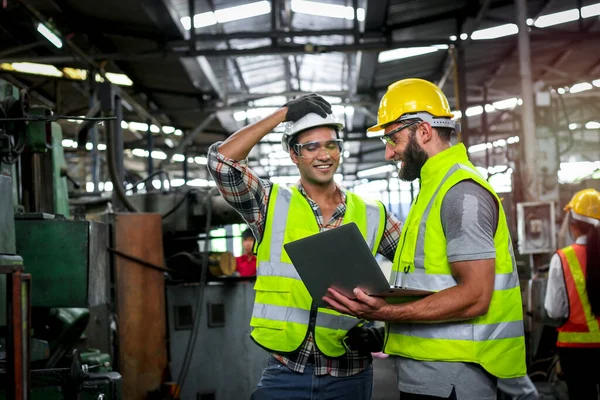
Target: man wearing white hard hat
x=313, y=352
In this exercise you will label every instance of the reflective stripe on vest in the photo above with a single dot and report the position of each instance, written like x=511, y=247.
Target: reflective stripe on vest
x=458, y=331
x=581, y=329
x=282, y=308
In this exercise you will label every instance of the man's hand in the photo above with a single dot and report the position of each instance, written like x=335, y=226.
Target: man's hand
x=364, y=307
x=305, y=104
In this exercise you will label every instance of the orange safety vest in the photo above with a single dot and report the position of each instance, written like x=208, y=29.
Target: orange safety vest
x=582, y=327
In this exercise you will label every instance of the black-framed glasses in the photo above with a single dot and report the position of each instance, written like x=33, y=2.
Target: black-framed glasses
x=333, y=147
x=388, y=139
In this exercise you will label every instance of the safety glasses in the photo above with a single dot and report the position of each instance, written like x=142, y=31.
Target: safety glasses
x=388, y=138
x=313, y=149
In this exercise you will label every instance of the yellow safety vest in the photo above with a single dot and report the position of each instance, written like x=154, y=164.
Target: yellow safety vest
x=494, y=340
x=282, y=306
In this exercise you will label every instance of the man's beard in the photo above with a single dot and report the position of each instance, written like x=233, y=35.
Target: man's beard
x=413, y=159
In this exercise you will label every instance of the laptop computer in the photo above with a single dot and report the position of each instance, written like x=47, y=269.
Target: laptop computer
x=340, y=258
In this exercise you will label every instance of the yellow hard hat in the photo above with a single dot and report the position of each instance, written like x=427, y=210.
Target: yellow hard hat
x=413, y=96
x=585, y=206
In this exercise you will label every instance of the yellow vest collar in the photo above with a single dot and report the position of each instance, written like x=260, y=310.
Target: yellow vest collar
x=441, y=161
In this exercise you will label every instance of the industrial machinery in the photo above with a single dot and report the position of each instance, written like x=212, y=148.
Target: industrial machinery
x=54, y=270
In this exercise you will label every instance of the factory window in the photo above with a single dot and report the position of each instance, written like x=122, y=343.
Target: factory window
x=228, y=238
x=183, y=318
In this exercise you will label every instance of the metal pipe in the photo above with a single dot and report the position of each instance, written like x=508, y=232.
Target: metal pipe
x=150, y=141
x=529, y=142
x=462, y=96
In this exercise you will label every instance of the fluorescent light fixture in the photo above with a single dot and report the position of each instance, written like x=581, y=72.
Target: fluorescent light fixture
x=580, y=87
x=201, y=160
x=108, y=186
x=178, y=157
x=573, y=126
x=592, y=125
x=453, y=38
x=590, y=11
x=475, y=110
x=119, y=79
x=89, y=146
x=124, y=125
x=178, y=132
x=101, y=146
x=561, y=90
x=89, y=187
x=512, y=139
x=479, y=147
x=285, y=179
x=376, y=171
x=169, y=143
x=326, y=10
x=489, y=108
x=198, y=183
x=168, y=129
x=138, y=126
x=33, y=68
x=529, y=21
x=204, y=19
x=457, y=114
x=159, y=155
x=596, y=82
x=375, y=133
x=464, y=36
x=346, y=154
x=75, y=73
x=48, y=34
x=190, y=160
x=177, y=182
x=557, y=18
x=398, y=54
x=506, y=104
x=243, y=11
x=154, y=129
x=495, y=32
x=67, y=142
x=279, y=154
x=349, y=111
x=139, y=152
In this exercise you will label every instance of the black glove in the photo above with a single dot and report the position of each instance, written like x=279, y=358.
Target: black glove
x=365, y=340
x=305, y=104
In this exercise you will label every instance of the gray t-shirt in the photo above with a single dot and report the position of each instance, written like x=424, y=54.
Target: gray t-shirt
x=469, y=218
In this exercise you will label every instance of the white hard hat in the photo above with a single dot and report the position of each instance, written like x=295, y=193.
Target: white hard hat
x=310, y=120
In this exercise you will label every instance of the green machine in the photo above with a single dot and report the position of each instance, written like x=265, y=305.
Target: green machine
x=55, y=336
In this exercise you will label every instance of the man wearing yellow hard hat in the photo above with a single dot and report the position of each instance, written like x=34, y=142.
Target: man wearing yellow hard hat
x=573, y=295
x=456, y=342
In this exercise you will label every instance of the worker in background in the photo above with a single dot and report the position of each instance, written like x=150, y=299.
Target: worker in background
x=456, y=342
x=246, y=263
x=573, y=294
x=312, y=352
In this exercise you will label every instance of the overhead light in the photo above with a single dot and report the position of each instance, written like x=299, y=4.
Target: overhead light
x=464, y=36
x=573, y=126
x=529, y=21
x=489, y=108
x=457, y=114
x=596, y=82
x=178, y=132
x=48, y=34
x=32, y=68
x=580, y=87
x=349, y=111
x=139, y=152
x=279, y=154
x=201, y=160
x=561, y=90
x=475, y=110
x=376, y=171
x=453, y=38
x=177, y=182
x=101, y=146
x=124, y=125
x=375, y=133
x=495, y=32
x=89, y=146
x=169, y=143
x=168, y=129
x=398, y=54
x=592, y=125
x=239, y=115
x=67, y=143
x=154, y=129
x=138, y=126
x=178, y=157
x=75, y=73
x=190, y=160
x=198, y=182
x=117, y=79
x=243, y=11
x=326, y=10
x=557, y=18
x=512, y=139
x=159, y=155
x=590, y=11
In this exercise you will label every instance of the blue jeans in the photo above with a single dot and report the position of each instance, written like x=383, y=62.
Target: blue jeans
x=279, y=382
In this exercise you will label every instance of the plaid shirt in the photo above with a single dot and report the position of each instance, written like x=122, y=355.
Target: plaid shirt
x=247, y=193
